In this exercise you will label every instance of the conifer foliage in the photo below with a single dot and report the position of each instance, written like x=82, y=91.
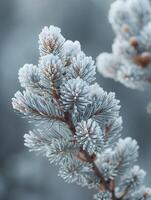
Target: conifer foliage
x=130, y=60
x=77, y=123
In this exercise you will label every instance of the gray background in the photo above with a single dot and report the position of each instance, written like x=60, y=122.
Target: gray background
x=26, y=176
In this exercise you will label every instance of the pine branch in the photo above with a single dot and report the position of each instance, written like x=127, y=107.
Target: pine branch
x=130, y=60
x=82, y=125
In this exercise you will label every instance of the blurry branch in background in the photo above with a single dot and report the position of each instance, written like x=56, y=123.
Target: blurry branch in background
x=77, y=123
x=130, y=60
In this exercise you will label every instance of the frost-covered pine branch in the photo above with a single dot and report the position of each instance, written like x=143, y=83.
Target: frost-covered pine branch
x=130, y=60
x=78, y=123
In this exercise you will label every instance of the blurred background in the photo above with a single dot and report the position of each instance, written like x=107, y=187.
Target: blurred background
x=22, y=174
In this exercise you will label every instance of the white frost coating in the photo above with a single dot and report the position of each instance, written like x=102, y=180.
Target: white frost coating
x=130, y=60
x=79, y=122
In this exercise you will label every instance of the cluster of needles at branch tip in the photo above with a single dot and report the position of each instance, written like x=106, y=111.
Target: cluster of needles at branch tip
x=77, y=123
